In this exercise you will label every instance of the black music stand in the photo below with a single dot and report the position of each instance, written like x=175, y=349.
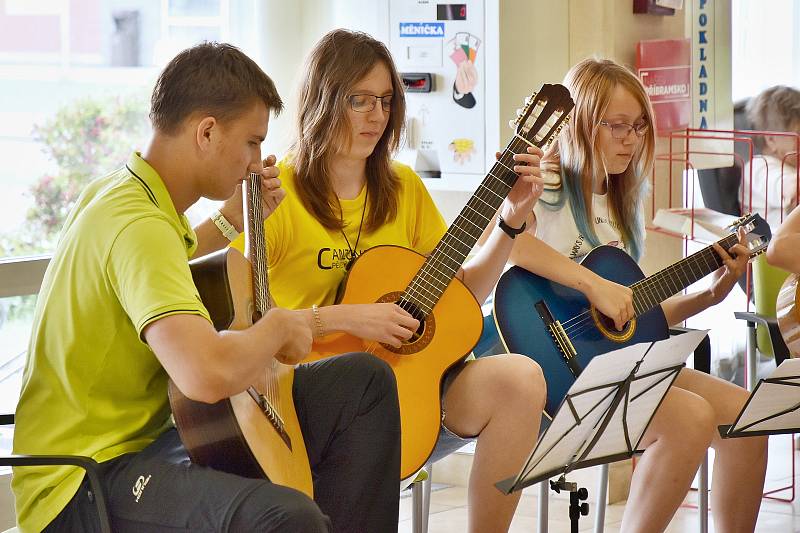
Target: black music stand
x=773, y=407
x=604, y=415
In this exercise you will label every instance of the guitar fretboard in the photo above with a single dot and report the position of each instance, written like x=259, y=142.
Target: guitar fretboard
x=653, y=290
x=442, y=265
x=256, y=250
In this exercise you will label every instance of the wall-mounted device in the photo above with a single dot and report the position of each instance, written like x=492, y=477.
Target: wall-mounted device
x=418, y=82
x=439, y=47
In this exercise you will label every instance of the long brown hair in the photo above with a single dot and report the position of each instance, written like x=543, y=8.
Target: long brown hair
x=579, y=161
x=336, y=64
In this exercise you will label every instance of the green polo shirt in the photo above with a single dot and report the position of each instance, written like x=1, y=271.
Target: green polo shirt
x=91, y=385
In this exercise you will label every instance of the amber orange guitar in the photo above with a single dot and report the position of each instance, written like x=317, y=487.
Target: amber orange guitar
x=788, y=313
x=450, y=318
x=255, y=433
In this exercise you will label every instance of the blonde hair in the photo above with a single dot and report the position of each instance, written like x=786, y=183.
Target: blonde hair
x=337, y=63
x=577, y=158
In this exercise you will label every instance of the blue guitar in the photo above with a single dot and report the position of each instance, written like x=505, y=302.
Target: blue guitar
x=558, y=328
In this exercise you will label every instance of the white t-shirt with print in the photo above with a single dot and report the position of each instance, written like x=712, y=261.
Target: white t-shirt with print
x=767, y=189
x=557, y=228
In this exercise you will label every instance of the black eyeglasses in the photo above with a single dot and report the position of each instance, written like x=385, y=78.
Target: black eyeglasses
x=621, y=130
x=364, y=103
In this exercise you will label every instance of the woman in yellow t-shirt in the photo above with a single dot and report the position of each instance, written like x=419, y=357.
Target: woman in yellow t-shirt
x=344, y=195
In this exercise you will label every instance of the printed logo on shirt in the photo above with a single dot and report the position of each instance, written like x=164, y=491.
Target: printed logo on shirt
x=138, y=487
x=575, y=251
x=329, y=258
x=605, y=220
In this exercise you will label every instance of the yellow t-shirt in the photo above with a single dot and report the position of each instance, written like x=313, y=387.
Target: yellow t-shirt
x=307, y=261
x=91, y=386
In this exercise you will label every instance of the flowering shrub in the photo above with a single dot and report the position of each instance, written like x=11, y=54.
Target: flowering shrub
x=85, y=140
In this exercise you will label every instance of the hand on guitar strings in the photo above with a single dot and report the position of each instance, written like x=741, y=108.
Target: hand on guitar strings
x=386, y=323
x=733, y=268
x=613, y=300
x=296, y=332
x=272, y=193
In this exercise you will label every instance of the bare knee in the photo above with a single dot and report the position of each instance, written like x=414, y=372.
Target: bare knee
x=522, y=382
x=698, y=423
x=685, y=420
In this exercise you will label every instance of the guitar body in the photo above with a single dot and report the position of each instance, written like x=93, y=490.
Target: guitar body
x=446, y=337
x=788, y=314
x=523, y=331
x=235, y=435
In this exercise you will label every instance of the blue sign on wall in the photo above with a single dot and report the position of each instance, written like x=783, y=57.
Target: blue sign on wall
x=422, y=29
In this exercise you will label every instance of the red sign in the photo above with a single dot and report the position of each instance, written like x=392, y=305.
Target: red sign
x=664, y=66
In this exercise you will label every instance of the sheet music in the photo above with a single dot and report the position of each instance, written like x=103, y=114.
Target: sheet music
x=578, y=422
x=770, y=399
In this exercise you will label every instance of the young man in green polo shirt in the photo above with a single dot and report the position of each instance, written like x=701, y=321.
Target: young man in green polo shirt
x=118, y=315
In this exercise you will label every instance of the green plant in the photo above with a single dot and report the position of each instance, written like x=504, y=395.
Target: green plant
x=85, y=140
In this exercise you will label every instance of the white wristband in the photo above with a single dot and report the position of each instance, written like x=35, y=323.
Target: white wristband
x=224, y=225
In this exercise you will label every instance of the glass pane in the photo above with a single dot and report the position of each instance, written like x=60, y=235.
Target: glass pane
x=16, y=318
x=194, y=8
x=54, y=148
x=185, y=36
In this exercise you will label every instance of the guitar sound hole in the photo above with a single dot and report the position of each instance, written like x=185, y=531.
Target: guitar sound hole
x=425, y=332
x=418, y=334
x=609, y=331
x=608, y=324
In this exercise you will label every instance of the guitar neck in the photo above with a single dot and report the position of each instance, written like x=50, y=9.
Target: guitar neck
x=653, y=290
x=449, y=255
x=540, y=120
x=255, y=243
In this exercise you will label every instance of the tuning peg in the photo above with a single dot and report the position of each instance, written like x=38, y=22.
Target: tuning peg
x=513, y=123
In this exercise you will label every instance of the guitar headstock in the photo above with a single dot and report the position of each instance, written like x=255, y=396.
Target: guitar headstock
x=544, y=114
x=757, y=232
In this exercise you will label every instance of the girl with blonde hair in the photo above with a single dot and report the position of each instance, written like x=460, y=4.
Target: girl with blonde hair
x=595, y=184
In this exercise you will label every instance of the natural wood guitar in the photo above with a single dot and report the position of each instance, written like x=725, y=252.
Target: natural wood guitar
x=255, y=433
x=788, y=313
x=450, y=318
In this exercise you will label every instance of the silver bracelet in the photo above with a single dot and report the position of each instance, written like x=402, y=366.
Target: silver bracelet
x=224, y=225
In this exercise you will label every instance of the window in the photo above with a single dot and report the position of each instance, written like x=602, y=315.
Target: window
x=766, y=45
x=75, y=78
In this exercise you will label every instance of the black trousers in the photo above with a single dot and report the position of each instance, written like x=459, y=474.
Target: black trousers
x=349, y=414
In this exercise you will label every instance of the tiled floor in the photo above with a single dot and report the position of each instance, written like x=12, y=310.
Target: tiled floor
x=449, y=512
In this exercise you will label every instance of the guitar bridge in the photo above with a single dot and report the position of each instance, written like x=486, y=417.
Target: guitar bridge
x=272, y=415
x=560, y=337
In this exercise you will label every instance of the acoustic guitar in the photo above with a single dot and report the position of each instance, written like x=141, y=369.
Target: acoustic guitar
x=255, y=433
x=450, y=317
x=558, y=328
x=788, y=314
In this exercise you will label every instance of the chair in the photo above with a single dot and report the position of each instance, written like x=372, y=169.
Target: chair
x=421, y=500
x=87, y=463
x=763, y=334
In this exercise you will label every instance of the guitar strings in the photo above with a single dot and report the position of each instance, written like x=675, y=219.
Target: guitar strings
x=648, y=289
x=256, y=225
x=425, y=275
x=436, y=273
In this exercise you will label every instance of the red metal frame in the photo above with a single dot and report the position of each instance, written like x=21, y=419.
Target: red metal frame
x=732, y=136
